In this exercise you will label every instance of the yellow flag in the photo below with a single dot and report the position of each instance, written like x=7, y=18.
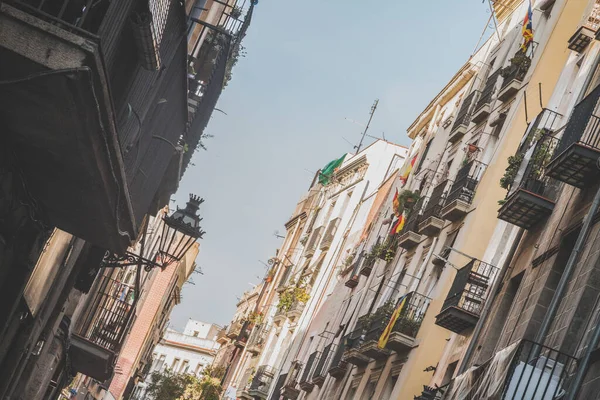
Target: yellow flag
x=383, y=339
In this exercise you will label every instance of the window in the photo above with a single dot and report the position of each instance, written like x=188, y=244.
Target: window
x=184, y=367
x=423, y=157
x=159, y=363
x=198, y=369
x=175, y=364
x=196, y=333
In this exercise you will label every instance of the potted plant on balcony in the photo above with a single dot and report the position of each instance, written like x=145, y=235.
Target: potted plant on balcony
x=407, y=200
x=519, y=65
x=291, y=296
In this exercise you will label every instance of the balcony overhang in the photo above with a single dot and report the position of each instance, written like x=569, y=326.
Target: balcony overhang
x=431, y=226
x=244, y=394
x=258, y=393
x=372, y=350
x=525, y=209
x=409, y=240
x=456, y=210
x=481, y=113
x=307, y=386
x=254, y=349
x=356, y=357
x=290, y=392
x=581, y=39
x=338, y=371
x=400, y=343
x=58, y=122
x=456, y=319
x=90, y=359
x=352, y=282
x=509, y=89
x=318, y=380
x=575, y=166
x=457, y=133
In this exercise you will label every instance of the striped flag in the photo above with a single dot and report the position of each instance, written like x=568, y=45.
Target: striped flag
x=383, y=339
x=406, y=170
x=527, y=29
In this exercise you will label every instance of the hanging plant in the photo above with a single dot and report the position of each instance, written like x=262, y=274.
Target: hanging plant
x=407, y=200
x=290, y=296
x=255, y=318
x=514, y=163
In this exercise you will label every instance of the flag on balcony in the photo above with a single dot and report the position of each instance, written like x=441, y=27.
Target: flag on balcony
x=398, y=226
x=527, y=29
x=383, y=339
x=396, y=204
x=328, y=170
x=406, y=170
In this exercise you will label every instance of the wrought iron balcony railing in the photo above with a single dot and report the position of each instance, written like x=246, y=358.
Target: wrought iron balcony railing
x=412, y=314
x=306, y=383
x=467, y=296
x=261, y=382
x=486, y=96
x=522, y=371
x=323, y=363
x=463, y=117
x=431, y=221
x=289, y=389
x=574, y=160
x=465, y=182
x=337, y=367
x=257, y=338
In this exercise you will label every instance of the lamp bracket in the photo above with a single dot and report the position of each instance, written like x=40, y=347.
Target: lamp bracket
x=112, y=260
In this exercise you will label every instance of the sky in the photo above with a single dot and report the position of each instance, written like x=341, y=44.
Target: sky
x=310, y=66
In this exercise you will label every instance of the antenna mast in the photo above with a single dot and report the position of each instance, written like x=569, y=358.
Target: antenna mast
x=373, y=108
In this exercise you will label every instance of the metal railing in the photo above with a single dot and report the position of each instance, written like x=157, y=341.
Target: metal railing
x=293, y=375
x=79, y=16
x=262, y=380
x=436, y=201
x=538, y=372
x=311, y=363
x=463, y=117
x=488, y=91
x=258, y=336
x=324, y=360
x=414, y=217
x=113, y=310
x=584, y=125
x=411, y=317
x=465, y=182
x=515, y=72
x=471, y=287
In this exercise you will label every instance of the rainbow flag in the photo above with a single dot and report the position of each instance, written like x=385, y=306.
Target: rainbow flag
x=383, y=339
x=406, y=170
x=527, y=29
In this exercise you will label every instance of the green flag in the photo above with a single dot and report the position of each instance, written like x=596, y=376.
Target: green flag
x=328, y=170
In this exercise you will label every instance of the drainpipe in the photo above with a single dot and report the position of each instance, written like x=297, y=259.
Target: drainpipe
x=488, y=304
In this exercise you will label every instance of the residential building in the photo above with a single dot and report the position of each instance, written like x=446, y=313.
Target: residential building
x=187, y=352
x=118, y=111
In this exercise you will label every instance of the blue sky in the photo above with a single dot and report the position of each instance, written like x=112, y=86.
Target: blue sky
x=310, y=64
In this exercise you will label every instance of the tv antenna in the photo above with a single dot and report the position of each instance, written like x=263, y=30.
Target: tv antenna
x=373, y=108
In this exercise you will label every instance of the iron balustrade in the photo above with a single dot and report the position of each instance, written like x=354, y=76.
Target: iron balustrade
x=262, y=380
x=411, y=317
x=538, y=372
x=324, y=360
x=463, y=117
x=258, y=336
x=112, y=314
x=312, y=361
x=436, y=201
x=414, y=217
x=293, y=374
x=515, y=72
x=584, y=125
x=488, y=90
x=471, y=287
x=465, y=182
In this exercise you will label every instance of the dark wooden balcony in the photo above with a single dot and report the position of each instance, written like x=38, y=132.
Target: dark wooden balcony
x=483, y=108
x=513, y=76
x=463, y=118
x=532, y=199
x=576, y=157
x=261, y=382
x=431, y=219
x=406, y=328
x=337, y=368
x=466, y=297
x=462, y=191
x=306, y=383
x=321, y=366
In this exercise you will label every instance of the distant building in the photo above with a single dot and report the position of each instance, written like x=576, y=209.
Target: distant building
x=185, y=353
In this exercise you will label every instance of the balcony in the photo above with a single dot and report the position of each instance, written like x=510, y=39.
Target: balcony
x=259, y=388
x=313, y=241
x=353, y=342
x=222, y=337
x=513, y=76
x=279, y=317
x=523, y=371
x=531, y=199
x=483, y=106
x=466, y=297
x=459, y=198
x=338, y=367
x=367, y=266
x=321, y=366
x=575, y=158
x=257, y=339
x=329, y=234
x=234, y=329
x=406, y=328
x=295, y=310
x=463, y=118
x=587, y=32
x=431, y=218
x=289, y=390
x=352, y=282
x=94, y=348
x=306, y=383
x=410, y=237
x=377, y=322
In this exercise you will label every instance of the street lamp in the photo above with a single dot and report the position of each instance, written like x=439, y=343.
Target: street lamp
x=179, y=232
